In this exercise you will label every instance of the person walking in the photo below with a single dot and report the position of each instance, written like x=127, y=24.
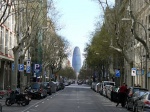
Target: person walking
x=122, y=94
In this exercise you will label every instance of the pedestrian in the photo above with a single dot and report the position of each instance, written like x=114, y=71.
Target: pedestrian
x=122, y=95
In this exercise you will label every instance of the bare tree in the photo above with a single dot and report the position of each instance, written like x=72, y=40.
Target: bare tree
x=30, y=17
x=5, y=10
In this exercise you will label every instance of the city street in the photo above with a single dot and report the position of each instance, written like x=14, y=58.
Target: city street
x=74, y=98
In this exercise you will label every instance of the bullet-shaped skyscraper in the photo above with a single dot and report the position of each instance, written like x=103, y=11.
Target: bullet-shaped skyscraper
x=76, y=60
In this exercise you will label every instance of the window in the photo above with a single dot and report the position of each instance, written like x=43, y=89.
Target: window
x=1, y=39
x=1, y=32
x=6, y=42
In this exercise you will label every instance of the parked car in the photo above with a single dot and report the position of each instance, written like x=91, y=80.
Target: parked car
x=79, y=82
x=53, y=86
x=62, y=85
x=114, y=94
x=103, y=86
x=93, y=85
x=97, y=87
x=57, y=85
x=47, y=87
x=37, y=90
x=66, y=83
x=132, y=99
x=143, y=103
x=109, y=91
x=132, y=90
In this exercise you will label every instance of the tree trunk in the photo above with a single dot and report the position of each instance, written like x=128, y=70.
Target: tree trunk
x=15, y=71
x=22, y=77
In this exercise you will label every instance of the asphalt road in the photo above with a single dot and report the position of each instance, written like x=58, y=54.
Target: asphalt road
x=74, y=98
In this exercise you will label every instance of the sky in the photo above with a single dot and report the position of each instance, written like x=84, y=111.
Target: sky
x=78, y=18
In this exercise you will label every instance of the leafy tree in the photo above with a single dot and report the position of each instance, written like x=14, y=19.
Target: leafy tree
x=67, y=72
x=30, y=17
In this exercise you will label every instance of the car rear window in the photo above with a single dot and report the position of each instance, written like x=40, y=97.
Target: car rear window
x=141, y=93
x=35, y=86
x=139, y=89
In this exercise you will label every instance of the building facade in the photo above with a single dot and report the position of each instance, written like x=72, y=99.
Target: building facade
x=136, y=50
x=7, y=42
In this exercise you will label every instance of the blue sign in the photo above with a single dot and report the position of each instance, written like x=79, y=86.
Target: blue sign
x=28, y=69
x=21, y=67
x=13, y=66
x=139, y=72
x=117, y=73
x=36, y=66
x=148, y=74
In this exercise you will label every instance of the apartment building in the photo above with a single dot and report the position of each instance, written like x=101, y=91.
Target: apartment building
x=7, y=41
x=136, y=50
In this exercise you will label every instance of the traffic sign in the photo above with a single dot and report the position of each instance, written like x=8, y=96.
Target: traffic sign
x=28, y=63
x=37, y=66
x=21, y=67
x=13, y=66
x=117, y=73
x=28, y=69
x=133, y=72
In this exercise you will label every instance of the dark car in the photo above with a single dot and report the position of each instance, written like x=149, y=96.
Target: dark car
x=53, y=86
x=143, y=103
x=62, y=85
x=134, y=94
x=47, y=87
x=113, y=93
x=37, y=90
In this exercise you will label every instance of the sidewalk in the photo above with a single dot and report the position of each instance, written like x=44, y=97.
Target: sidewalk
x=2, y=101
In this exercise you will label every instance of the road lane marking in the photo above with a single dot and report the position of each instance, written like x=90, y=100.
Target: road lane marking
x=42, y=102
x=36, y=105
x=31, y=106
x=32, y=110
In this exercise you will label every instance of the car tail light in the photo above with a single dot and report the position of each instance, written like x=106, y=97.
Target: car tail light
x=147, y=102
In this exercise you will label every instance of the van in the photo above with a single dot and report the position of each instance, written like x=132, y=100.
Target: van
x=103, y=86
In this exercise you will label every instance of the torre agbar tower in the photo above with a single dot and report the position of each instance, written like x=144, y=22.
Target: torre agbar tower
x=76, y=60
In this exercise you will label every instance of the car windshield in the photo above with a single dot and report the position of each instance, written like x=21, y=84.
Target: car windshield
x=35, y=86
